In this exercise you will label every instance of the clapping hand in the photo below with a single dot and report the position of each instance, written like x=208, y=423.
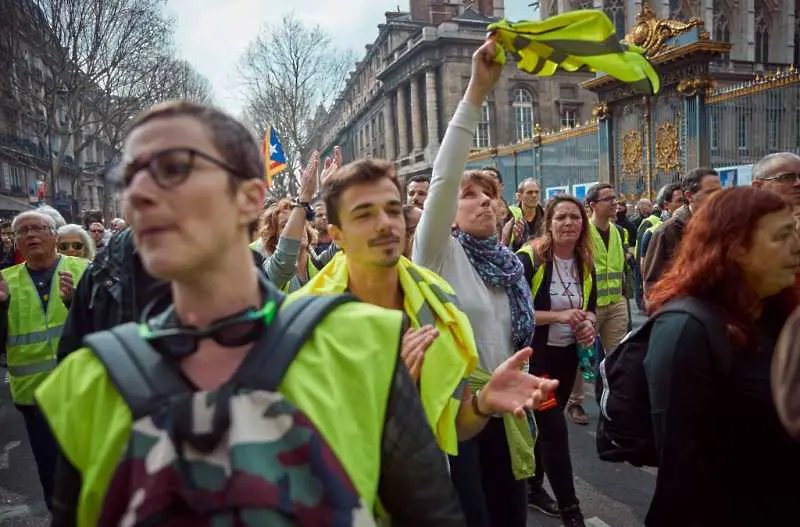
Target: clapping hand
x=511, y=390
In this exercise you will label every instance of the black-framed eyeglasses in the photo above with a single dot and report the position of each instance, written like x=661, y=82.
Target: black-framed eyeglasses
x=607, y=199
x=75, y=246
x=171, y=167
x=789, y=177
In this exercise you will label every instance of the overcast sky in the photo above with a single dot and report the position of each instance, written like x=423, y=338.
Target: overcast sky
x=213, y=34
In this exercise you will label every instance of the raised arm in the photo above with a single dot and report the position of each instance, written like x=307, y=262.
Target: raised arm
x=433, y=232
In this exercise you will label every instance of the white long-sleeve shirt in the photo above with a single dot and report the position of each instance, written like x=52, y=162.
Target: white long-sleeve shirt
x=486, y=307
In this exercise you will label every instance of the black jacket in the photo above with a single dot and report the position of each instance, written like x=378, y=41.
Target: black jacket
x=114, y=290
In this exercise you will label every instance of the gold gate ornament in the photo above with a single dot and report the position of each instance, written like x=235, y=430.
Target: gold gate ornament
x=631, y=154
x=667, y=147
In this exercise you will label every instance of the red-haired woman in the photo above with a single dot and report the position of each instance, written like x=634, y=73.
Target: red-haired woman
x=724, y=458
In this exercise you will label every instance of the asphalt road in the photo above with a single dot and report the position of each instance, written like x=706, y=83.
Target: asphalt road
x=611, y=494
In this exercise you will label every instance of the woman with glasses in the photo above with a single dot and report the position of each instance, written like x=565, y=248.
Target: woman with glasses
x=73, y=240
x=193, y=186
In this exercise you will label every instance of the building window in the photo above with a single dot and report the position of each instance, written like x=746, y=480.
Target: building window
x=569, y=118
x=742, y=129
x=615, y=9
x=762, y=34
x=714, y=132
x=483, y=138
x=722, y=29
x=523, y=114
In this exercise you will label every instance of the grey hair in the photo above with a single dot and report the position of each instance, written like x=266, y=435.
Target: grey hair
x=766, y=164
x=88, y=242
x=51, y=222
x=53, y=213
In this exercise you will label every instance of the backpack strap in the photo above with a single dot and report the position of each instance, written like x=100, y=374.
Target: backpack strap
x=137, y=370
x=707, y=316
x=265, y=367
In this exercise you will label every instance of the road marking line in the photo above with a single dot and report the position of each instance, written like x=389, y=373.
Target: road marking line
x=4, y=455
x=596, y=522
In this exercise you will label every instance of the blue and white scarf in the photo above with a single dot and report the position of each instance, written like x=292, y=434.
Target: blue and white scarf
x=499, y=267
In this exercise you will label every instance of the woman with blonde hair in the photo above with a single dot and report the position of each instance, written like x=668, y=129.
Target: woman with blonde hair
x=73, y=240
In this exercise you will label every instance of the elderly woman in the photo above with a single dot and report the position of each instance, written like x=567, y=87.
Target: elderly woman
x=721, y=446
x=73, y=240
x=490, y=470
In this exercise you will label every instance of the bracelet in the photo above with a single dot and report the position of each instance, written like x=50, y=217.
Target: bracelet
x=475, y=407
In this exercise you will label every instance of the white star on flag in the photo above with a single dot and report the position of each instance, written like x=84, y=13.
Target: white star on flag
x=273, y=150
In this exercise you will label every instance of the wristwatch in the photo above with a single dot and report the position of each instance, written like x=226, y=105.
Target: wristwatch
x=310, y=214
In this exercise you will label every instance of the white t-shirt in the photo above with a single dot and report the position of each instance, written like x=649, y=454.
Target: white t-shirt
x=565, y=293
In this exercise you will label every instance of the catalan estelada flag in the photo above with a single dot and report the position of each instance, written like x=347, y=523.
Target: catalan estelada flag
x=574, y=40
x=274, y=158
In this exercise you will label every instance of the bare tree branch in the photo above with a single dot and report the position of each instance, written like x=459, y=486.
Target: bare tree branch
x=290, y=72
x=80, y=69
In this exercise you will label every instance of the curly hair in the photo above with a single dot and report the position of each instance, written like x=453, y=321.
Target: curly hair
x=268, y=227
x=543, y=246
x=706, y=268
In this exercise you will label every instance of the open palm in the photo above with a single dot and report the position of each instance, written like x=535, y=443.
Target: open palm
x=511, y=390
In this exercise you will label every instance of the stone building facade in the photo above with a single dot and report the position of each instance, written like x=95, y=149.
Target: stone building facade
x=763, y=34
x=401, y=95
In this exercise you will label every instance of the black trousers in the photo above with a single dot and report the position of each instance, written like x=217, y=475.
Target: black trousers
x=44, y=447
x=482, y=475
x=552, y=447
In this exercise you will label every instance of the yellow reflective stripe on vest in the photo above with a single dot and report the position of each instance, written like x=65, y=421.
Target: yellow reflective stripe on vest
x=538, y=278
x=609, y=265
x=35, y=337
x=516, y=213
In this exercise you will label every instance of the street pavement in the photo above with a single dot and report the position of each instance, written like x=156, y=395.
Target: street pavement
x=611, y=494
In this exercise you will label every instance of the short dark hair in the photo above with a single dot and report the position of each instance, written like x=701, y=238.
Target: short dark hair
x=593, y=194
x=664, y=195
x=235, y=143
x=367, y=170
x=494, y=171
x=692, y=180
x=419, y=178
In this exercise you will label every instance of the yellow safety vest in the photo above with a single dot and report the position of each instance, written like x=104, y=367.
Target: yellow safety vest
x=33, y=335
x=538, y=276
x=294, y=283
x=340, y=380
x=453, y=356
x=655, y=221
x=516, y=212
x=609, y=265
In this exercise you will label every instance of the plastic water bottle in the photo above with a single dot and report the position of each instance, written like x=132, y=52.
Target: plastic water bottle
x=586, y=361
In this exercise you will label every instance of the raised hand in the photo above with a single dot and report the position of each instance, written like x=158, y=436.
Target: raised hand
x=332, y=165
x=66, y=286
x=308, y=179
x=485, y=73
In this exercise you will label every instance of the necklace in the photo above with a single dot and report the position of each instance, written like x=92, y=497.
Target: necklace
x=571, y=273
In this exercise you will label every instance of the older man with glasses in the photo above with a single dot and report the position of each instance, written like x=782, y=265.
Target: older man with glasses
x=780, y=172
x=34, y=298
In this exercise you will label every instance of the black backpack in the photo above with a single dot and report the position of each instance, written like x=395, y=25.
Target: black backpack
x=205, y=474
x=624, y=427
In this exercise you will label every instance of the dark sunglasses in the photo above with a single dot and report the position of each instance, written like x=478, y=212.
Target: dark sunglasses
x=232, y=331
x=75, y=246
x=170, y=168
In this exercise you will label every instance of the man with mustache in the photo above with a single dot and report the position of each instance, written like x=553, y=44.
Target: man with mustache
x=365, y=215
